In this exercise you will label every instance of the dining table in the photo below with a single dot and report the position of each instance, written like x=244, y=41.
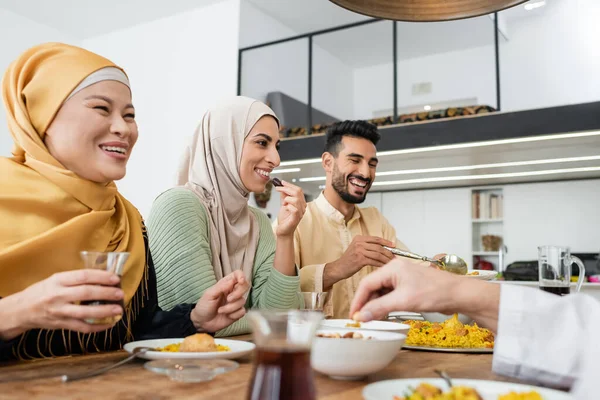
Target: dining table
x=41, y=379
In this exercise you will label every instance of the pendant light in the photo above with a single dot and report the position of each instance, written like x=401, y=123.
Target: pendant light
x=425, y=10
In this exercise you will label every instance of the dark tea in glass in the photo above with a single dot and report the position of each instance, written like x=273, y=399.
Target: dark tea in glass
x=559, y=290
x=554, y=263
x=282, y=374
x=282, y=369
x=112, y=262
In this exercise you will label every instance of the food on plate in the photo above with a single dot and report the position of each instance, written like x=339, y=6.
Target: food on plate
x=426, y=391
x=473, y=273
x=346, y=335
x=450, y=333
x=198, y=343
x=533, y=395
x=356, y=323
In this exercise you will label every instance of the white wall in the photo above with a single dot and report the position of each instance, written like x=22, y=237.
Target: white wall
x=549, y=60
x=422, y=218
x=457, y=75
x=284, y=67
x=178, y=67
x=549, y=213
x=560, y=213
x=554, y=59
x=18, y=34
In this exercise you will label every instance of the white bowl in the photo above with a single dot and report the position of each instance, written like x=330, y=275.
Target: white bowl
x=351, y=359
x=439, y=317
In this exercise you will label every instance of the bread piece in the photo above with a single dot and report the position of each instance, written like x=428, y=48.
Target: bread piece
x=200, y=342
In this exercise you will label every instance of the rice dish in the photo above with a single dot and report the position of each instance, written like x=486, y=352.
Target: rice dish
x=450, y=334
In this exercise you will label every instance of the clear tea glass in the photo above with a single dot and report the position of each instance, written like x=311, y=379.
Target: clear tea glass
x=110, y=261
x=314, y=300
x=555, y=269
x=282, y=369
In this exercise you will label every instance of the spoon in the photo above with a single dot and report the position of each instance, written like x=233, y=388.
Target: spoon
x=450, y=262
x=444, y=376
x=136, y=352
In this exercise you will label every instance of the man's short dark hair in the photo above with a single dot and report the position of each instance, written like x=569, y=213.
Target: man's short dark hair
x=360, y=129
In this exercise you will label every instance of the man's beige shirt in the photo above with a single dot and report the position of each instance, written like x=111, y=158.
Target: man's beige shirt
x=323, y=236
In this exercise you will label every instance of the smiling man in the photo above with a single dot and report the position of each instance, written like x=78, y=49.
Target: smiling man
x=338, y=243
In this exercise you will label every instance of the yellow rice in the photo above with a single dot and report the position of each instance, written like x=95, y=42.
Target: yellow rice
x=426, y=391
x=450, y=333
x=174, y=347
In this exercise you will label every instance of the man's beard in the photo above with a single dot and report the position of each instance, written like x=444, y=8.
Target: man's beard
x=340, y=185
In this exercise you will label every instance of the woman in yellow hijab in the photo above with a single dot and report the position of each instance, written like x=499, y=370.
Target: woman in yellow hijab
x=73, y=123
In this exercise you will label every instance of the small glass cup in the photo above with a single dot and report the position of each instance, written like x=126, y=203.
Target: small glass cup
x=282, y=369
x=314, y=300
x=554, y=264
x=109, y=261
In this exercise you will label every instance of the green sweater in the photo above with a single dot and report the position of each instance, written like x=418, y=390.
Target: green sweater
x=178, y=228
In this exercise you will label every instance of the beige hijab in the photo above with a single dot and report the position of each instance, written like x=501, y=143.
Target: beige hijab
x=211, y=169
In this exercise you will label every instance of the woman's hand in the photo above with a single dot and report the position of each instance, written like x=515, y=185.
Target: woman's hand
x=222, y=304
x=54, y=303
x=292, y=209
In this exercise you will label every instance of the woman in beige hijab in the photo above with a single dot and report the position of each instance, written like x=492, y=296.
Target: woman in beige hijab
x=203, y=229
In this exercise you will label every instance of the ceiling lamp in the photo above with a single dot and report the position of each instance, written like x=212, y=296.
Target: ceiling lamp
x=425, y=10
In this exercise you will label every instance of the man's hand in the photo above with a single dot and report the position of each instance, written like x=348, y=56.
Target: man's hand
x=363, y=251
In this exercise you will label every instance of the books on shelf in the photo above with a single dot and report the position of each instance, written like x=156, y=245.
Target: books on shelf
x=486, y=205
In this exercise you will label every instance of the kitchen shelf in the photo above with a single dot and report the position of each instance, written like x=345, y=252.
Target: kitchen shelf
x=487, y=221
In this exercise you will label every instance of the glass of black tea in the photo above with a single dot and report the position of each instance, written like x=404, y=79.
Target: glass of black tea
x=282, y=369
x=554, y=264
x=109, y=261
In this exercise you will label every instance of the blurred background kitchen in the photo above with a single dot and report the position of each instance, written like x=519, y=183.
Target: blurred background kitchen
x=490, y=126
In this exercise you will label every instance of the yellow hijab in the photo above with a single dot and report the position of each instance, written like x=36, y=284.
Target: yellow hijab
x=48, y=214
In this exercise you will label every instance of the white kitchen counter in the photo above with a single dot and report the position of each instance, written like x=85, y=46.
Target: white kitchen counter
x=593, y=289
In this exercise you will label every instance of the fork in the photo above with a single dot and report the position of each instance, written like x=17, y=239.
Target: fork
x=135, y=353
x=444, y=376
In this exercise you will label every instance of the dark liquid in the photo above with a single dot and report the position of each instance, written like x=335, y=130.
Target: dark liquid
x=282, y=374
x=107, y=320
x=559, y=290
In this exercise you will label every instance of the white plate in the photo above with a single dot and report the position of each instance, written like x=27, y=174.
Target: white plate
x=484, y=275
x=480, y=350
x=489, y=390
x=371, y=326
x=238, y=348
x=397, y=314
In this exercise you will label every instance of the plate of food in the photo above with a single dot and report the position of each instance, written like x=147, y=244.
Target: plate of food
x=449, y=336
x=463, y=389
x=198, y=346
x=482, y=274
x=348, y=324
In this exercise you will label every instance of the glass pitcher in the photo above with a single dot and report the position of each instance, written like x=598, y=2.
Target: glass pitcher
x=283, y=341
x=554, y=264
